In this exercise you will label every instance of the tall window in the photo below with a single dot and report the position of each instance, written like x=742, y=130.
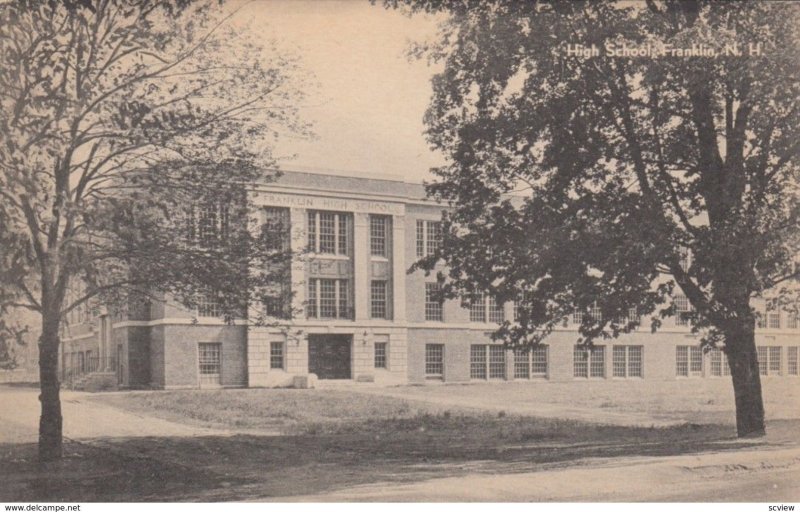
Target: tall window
x=627, y=361
x=429, y=237
x=209, y=223
x=769, y=360
x=277, y=300
x=688, y=361
x=589, y=362
x=378, y=299
x=530, y=363
x=484, y=306
x=433, y=302
x=328, y=232
x=685, y=255
x=276, y=358
x=791, y=321
x=773, y=318
x=210, y=362
x=718, y=363
x=380, y=354
x=378, y=235
x=682, y=307
x=791, y=360
x=208, y=306
x=595, y=313
x=434, y=361
x=275, y=227
x=477, y=307
x=487, y=360
x=329, y=298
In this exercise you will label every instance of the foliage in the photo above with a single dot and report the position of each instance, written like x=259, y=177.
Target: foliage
x=120, y=122
x=12, y=336
x=582, y=181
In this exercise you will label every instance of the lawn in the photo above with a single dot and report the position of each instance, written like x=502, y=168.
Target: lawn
x=284, y=443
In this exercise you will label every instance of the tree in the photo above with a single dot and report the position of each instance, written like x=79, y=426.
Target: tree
x=580, y=179
x=130, y=132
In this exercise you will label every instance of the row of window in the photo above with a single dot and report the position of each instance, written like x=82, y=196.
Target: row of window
x=627, y=361
x=689, y=361
x=489, y=361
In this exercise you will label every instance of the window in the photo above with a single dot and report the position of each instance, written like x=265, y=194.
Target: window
x=209, y=223
x=276, y=355
x=433, y=302
x=477, y=308
x=278, y=303
x=530, y=363
x=594, y=313
x=773, y=318
x=589, y=362
x=477, y=362
x=429, y=237
x=775, y=360
x=688, y=361
x=207, y=306
x=497, y=362
x=791, y=321
x=329, y=298
x=719, y=363
x=515, y=310
x=378, y=298
x=685, y=256
x=210, y=362
x=496, y=313
x=328, y=232
x=380, y=354
x=487, y=360
x=275, y=228
x=769, y=360
x=378, y=229
x=633, y=315
x=791, y=360
x=483, y=306
x=682, y=307
x=626, y=361
x=434, y=361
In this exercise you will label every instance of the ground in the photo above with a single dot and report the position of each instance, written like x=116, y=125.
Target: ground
x=598, y=441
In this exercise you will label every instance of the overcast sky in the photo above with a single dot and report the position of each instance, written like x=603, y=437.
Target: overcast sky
x=367, y=110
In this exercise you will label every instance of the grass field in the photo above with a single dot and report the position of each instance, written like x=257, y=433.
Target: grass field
x=285, y=443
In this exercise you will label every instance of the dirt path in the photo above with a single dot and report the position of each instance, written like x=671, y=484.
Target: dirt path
x=753, y=475
x=83, y=419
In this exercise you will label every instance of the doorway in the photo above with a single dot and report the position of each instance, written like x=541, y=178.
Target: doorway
x=329, y=355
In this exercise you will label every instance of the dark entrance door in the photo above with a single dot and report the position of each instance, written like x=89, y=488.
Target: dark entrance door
x=329, y=355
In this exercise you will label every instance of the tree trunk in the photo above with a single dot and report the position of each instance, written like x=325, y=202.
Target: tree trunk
x=743, y=362
x=50, y=422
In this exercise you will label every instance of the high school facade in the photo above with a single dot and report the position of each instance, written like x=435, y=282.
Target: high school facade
x=361, y=316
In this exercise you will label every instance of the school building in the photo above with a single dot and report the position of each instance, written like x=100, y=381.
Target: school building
x=365, y=319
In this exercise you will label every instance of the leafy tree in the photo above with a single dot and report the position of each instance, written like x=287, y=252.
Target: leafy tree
x=130, y=132
x=618, y=166
x=12, y=336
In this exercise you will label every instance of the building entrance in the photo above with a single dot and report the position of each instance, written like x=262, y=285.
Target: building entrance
x=329, y=355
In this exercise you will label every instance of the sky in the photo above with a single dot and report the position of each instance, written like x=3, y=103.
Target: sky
x=368, y=106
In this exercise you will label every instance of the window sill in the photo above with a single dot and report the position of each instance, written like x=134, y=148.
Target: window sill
x=329, y=256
